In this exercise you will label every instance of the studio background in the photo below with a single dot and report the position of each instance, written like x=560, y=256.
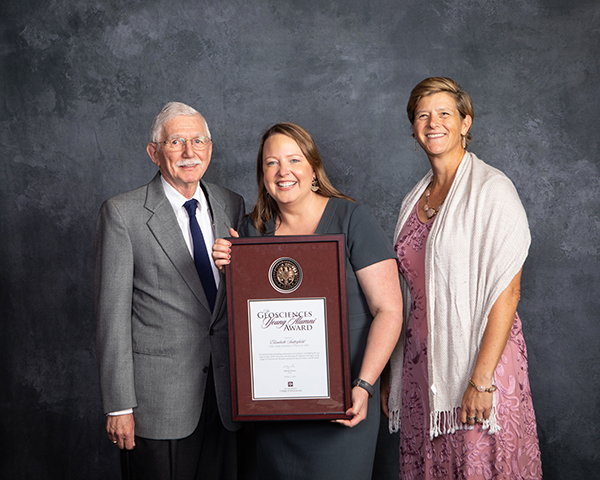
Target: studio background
x=82, y=80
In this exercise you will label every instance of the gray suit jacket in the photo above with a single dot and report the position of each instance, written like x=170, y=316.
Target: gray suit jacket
x=155, y=333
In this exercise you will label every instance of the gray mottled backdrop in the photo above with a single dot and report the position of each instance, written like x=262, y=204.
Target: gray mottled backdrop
x=81, y=81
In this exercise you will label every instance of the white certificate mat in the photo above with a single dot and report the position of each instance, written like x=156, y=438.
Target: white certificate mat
x=288, y=348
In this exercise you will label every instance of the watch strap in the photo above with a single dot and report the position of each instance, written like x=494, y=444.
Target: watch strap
x=359, y=382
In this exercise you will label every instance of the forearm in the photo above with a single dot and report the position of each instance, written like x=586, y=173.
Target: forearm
x=476, y=405
x=381, y=287
x=383, y=336
x=497, y=332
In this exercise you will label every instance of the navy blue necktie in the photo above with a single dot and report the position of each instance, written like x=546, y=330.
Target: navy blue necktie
x=201, y=258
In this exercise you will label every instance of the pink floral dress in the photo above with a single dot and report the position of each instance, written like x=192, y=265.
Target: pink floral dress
x=511, y=453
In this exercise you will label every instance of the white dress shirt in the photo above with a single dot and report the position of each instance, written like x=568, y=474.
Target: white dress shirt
x=177, y=200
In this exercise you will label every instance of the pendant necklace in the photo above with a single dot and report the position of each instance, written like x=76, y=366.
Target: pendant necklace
x=430, y=211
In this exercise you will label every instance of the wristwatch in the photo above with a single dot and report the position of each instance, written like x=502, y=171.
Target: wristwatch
x=482, y=389
x=359, y=382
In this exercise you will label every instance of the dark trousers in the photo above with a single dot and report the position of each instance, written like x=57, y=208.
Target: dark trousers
x=207, y=454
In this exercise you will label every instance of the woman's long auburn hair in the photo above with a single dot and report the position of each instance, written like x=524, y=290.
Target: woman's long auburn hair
x=266, y=208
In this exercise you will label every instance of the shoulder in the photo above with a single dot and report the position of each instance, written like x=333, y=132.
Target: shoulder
x=124, y=201
x=247, y=228
x=217, y=190
x=342, y=215
x=344, y=204
x=347, y=209
x=495, y=184
x=416, y=191
x=487, y=173
x=123, y=212
x=498, y=204
x=365, y=240
x=357, y=215
x=227, y=207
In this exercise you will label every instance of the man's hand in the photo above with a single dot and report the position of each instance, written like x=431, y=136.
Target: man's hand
x=121, y=430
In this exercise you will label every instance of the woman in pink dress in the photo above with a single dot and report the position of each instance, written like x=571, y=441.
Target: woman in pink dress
x=458, y=384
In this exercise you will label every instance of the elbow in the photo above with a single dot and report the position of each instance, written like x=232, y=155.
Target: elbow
x=515, y=294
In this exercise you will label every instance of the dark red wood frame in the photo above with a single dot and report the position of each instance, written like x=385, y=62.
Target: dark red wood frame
x=322, y=260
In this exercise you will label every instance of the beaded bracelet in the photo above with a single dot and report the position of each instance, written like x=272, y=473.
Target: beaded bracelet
x=481, y=388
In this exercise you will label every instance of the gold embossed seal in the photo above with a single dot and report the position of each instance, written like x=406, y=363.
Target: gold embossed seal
x=285, y=275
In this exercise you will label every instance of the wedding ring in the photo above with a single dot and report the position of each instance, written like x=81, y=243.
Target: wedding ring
x=470, y=418
x=114, y=442
x=479, y=420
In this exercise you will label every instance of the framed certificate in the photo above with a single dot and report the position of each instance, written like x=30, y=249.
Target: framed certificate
x=286, y=299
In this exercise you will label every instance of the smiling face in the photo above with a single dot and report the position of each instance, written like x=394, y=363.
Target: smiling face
x=182, y=170
x=287, y=173
x=438, y=125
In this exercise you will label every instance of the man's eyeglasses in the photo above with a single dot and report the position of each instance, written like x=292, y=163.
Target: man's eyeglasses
x=178, y=144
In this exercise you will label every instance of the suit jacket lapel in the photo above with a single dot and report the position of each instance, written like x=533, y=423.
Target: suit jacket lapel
x=164, y=227
x=218, y=207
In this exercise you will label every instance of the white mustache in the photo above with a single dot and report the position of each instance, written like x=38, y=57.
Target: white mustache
x=188, y=163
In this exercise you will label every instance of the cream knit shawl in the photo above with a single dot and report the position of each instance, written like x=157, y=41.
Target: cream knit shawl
x=478, y=243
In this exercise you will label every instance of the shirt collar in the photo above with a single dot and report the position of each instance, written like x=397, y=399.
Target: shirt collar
x=177, y=200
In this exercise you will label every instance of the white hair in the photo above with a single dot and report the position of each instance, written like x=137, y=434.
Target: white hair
x=170, y=111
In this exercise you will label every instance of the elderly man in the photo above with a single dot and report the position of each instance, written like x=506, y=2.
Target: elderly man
x=161, y=335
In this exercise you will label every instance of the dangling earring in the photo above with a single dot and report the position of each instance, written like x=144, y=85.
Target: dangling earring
x=416, y=146
x=464, y=142
x=315, y=185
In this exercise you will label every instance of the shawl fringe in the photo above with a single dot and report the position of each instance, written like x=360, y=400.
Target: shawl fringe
x=443, y=423
x=394, y=421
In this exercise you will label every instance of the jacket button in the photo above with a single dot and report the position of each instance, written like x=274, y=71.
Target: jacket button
x=205, y=369
x=212, y=331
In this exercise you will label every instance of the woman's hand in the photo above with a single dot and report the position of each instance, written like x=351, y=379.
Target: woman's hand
x=476, y=406
x=221, y=251
x=358, y=410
